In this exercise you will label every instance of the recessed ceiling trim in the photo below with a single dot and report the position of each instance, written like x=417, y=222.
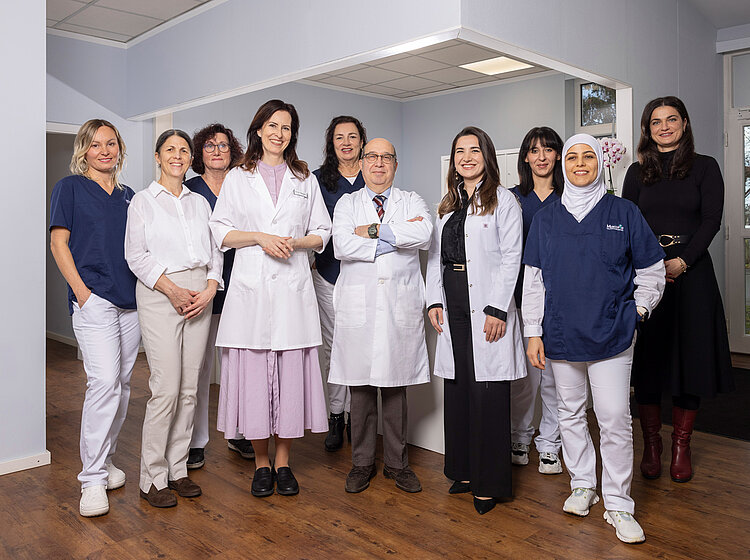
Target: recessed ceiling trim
x=473, y=36
x=86, y=38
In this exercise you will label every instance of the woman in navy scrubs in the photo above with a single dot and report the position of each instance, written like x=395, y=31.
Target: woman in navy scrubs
x=684, y=348
x=471, y=274
x=593, y=270
x=338, y=175
x=88, y=212
x=541, y=184
x=217, y=151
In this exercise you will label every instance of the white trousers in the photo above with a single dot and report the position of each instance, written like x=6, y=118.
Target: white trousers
x=175, y=349
x=200, y=422
x=108, y=338
x=610, y=391
x=338, y=396
x=523, y=394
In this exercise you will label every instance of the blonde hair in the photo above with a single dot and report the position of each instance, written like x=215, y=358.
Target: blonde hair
x=83, y=141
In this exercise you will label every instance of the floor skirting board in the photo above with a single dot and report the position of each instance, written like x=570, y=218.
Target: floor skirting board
x=23, y=463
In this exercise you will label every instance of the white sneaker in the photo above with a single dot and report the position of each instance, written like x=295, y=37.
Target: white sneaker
x=549, y=463
x=94, y=501
x=627, y=528
x=579, y=502
x=519, y=453
x=115, y=477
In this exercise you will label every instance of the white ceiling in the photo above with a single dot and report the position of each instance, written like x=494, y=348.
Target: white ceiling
x=419, y=72
x=117, y=20
x=724, y=13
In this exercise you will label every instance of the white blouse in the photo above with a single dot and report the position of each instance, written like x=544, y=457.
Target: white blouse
x=167, y=233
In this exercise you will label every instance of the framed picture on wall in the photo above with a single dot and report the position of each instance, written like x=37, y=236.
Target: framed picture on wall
x=596, y=109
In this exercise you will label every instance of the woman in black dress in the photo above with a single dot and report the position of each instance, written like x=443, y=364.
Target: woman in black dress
x=684, y=347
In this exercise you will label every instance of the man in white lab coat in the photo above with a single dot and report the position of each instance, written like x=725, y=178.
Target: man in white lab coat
x=379, y=340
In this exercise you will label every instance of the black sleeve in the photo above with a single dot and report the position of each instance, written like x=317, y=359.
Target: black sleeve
x=712, y=206
x=496, y=313
x=631, y=189
x=435, y=306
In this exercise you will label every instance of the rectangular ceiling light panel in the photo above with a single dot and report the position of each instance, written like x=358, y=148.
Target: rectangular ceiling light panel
x=494, y=66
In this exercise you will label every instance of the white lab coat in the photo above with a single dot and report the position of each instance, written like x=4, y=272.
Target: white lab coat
x=493, y=258
x=379, y=334
x=271, y=303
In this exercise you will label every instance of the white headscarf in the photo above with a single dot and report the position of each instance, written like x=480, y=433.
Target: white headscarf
x=579, y=201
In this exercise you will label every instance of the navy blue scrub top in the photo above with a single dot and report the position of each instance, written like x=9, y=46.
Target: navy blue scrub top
x=326, y=264
x=198, y=185
x=588, y=270
x=530, y=205
x=96, y=221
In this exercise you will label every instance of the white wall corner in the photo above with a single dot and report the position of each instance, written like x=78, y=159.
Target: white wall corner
x=23, y=463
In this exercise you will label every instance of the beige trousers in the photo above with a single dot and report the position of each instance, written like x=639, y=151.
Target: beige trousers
x=174, y=348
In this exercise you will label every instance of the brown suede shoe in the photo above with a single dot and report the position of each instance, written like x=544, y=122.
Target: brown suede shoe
x=405, y=478
x=359, y=478
x=163, y=498
x=185, y=487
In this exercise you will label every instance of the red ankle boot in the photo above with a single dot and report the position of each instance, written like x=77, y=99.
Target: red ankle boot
x=681, y=469
x=650, y=417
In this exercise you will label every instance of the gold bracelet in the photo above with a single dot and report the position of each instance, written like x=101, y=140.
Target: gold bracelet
x=684, y=264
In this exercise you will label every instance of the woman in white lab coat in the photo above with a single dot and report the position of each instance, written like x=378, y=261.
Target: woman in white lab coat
x=270, y=209
x=471, y=274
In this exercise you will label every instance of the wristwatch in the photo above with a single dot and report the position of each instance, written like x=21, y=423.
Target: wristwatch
x=372, y=231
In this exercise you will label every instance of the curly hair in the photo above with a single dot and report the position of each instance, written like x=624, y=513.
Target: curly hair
x=83, y=141
x=255, y=147
x=648, y=152
x=207, y=133
x=487, y=202
x=329, y=170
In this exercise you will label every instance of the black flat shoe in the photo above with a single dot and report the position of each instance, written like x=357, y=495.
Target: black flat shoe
x=459, y=487
x=335, y=438
x=286, y=484
x=483, y=506
x=262, y=483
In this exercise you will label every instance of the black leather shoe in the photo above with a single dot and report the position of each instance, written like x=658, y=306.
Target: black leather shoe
x=335, y=437
x=196, y=458
x=262, y=483
x=459, y=487
x=286, y=484
x=483, y=506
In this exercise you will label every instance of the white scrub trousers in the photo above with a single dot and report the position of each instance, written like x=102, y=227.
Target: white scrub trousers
x=610, y=391
x=108, y=338
x=338, y=396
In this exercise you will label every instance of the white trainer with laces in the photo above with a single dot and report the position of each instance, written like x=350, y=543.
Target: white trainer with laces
x=519, y=453
x=627, y=528
x=579, y=502
x=115, y=477
x=94, y=501
x=549, y=463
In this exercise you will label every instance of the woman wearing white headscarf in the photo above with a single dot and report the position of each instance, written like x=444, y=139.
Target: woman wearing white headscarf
x=593, y=271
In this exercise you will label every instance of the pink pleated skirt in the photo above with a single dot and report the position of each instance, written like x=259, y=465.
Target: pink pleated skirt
x=265, y=393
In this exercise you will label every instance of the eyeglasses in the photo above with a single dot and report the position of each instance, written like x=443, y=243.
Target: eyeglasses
x=372, y=157
x=210, y=147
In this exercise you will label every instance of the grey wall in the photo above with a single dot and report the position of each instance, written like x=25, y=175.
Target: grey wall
x=22, y=235
x=505, y=112
x=59, y=150
x=315, y=106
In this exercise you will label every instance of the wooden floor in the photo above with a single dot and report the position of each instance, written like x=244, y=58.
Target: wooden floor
x=708, y=518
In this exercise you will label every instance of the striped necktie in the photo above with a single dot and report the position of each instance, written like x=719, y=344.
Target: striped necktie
x=379, y=200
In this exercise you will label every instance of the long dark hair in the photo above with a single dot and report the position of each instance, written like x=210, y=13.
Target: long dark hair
x=255, y=147
x=648, y=153
x=329, y=170
x=548, y=138
x=204, y=135
x=487, y=202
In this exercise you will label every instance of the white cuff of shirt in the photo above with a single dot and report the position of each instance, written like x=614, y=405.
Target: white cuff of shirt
x=532, y=330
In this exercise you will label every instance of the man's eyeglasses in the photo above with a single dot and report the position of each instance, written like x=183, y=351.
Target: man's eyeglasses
x=372, y=157
x=210, y=147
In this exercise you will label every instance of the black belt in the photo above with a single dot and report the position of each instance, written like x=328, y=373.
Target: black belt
x=667, y=240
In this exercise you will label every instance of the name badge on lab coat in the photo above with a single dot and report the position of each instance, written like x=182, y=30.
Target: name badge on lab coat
x=299, y=193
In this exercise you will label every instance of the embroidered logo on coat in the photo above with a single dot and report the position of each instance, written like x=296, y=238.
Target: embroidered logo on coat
x=618, y=227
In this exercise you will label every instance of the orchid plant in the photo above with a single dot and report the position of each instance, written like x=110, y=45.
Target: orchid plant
x=613, y=151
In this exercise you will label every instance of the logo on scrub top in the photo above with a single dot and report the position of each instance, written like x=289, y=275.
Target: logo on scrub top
x=618, y=227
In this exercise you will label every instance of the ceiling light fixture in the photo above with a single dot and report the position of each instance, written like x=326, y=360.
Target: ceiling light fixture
x=494, y=66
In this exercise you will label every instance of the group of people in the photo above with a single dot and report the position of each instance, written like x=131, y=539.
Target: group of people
x=551, y=287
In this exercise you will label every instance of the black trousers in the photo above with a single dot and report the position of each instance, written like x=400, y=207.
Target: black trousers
x=477, y=414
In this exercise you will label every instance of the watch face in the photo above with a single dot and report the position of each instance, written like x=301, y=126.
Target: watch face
x=372, y=231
